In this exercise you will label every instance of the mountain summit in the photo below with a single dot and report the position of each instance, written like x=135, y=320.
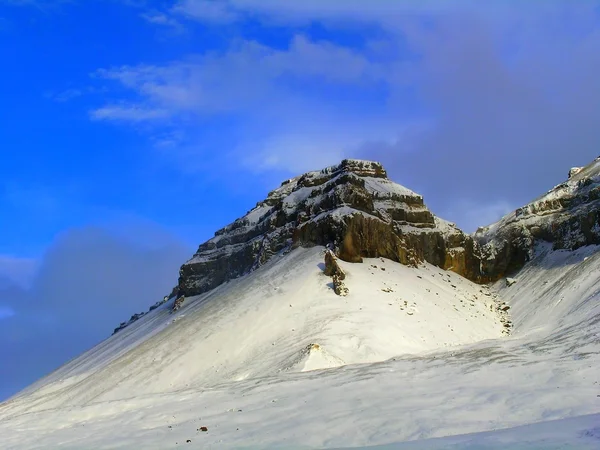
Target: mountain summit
x=352, y=207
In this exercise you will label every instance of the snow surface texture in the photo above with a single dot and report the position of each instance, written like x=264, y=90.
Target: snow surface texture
x=240, y=361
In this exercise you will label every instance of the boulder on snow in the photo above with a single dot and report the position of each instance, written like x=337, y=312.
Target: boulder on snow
x=178, y=303
x=332, y=267
x=510, y=281
x=339, y=287
x=120, y=327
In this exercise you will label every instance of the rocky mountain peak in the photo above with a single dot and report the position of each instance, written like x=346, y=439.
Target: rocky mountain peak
x=359, y=167
x=352, y=207
x=355, y=211
x=567, y=216
x=347, y=167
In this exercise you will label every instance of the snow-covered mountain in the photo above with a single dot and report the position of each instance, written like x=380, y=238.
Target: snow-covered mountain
x=255, y=348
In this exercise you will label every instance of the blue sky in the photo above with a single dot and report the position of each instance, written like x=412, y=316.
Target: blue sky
x=132, y=130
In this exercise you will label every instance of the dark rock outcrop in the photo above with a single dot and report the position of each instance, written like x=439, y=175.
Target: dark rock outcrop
x=332, y=268
x=132, y=319
x=339, y=287
x=356, y=210
x=136, y=317
x=352, y=206
x=566, y=217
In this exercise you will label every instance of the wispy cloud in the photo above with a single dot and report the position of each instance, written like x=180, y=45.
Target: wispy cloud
x=162, y=19
x=129, y=113
x=439, y=89
x=391, y=15
x=247, y=74
x=206, y=11
x=66, y=95
x=267, y=85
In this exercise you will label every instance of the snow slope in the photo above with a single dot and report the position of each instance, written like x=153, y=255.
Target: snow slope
x=581, y=433
x=267, y=322
x=239, y=360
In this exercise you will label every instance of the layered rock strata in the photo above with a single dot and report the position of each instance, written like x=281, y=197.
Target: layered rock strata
x=353, y=207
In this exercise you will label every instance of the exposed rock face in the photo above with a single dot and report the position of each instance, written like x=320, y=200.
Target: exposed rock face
x=136, y=317
x=567, y=216
x=352, y=206
x=332, y=268
x=354, y=209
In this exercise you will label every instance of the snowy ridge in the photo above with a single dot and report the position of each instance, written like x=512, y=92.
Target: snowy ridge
x=572, y=196
x=567, y=216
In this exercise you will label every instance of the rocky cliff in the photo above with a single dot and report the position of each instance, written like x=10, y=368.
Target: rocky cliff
x=567, y=216
x=352, y=207
x=356, y=211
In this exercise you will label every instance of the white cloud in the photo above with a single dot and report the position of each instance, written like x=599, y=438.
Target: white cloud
x=66, y=95
x=302, y=11
x=248, y=75
x=277, y=91
x=507, y=90
x=392, y=14
x=206, y=11
x=128, y=113
x=159, y=18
